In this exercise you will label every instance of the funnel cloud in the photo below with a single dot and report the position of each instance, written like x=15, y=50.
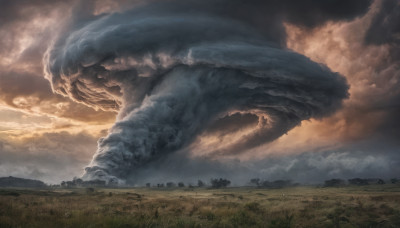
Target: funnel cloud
x=174, y=72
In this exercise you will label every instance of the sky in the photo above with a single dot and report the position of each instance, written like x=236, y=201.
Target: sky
x=170, y=90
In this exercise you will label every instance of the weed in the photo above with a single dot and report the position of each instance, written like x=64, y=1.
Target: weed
x=282, y=222
x=253, y=207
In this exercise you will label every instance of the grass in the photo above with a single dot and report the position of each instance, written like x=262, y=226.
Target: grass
x=366, y=206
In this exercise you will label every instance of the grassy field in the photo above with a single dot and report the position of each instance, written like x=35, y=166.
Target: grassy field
x=366, y=206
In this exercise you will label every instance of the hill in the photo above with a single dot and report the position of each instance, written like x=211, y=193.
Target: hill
x=20, y=182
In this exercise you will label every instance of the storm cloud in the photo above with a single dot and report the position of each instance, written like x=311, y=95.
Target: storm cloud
x=175, y=69
x=210, y=91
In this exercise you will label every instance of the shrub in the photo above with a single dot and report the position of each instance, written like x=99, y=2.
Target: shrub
x=200, y=183
x=171, y=184
x=220, y=183
x=334, y=183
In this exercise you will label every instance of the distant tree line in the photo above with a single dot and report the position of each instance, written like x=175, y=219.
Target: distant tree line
x=223, y=183
x=220, y=183
x=214, y=183
x=357, y=182
x=77, y=182
x=272, y=184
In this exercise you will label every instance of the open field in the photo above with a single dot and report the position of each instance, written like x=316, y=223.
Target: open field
x=363, y=206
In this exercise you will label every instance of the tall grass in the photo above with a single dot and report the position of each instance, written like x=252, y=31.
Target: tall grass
x=233, y=207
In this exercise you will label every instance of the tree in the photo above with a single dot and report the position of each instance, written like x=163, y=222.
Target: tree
x=170, y=184
x=200, y=183
x=334, y=183
x=77, y=181
x=219, y=183
x=181, y=184
x=380, y=181
x=358, y=181
x=276, y=184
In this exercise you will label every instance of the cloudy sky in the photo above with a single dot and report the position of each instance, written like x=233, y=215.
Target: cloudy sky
x=143, y=91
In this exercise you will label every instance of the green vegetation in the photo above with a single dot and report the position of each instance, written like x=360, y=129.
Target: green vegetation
x=355, y=206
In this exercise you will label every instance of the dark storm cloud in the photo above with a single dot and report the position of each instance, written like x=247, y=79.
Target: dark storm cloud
x=175, y=67
x=311, y=13
x=385, y=26
x=267, y=15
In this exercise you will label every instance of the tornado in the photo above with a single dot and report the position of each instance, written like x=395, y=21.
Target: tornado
x=172, y=73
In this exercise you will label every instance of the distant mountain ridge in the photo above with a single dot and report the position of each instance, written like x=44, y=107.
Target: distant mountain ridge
x=20, y=182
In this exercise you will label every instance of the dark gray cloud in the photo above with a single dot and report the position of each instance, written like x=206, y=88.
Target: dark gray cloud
x=311, y=13
x=173, y=70
x=267, y=15
x=385, y=26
